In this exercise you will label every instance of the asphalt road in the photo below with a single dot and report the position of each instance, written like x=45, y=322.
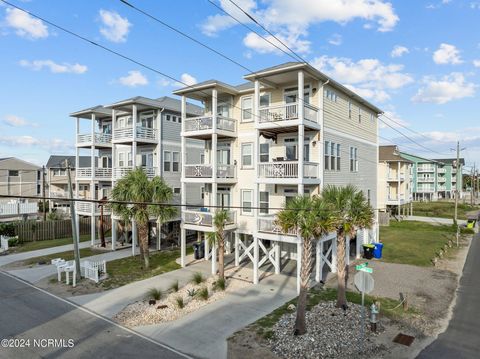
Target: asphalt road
x=462, y=337
x=31, y=316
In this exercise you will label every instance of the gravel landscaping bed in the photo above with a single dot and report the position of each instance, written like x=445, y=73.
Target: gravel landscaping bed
x=331, y=333
x=141, y=313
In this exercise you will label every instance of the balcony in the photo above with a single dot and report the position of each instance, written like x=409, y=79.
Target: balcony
x=16, y=209
x=267, y=224
x=225, y=173
x=202, y=127
x=285, y=170
x=441, y=179
x=203, y=218
x=425, y=189
x=99, y=140
x=120, y=172
x=85, y=208
x=396, y=199
x=441, y=170
x=426, y=179
x=425, y=169
x=393, y=177
x=442, y=188
x=283, y=116
x=99, y=173
x=143, y=134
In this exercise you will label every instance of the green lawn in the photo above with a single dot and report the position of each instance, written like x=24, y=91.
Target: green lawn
x=441, y=209
x=410, y=242
x=126, y=270
x=263, y=325
x=68, y=256
x=32, y=246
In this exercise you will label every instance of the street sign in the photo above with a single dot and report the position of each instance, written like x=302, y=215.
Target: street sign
x=366, y=269
x=360, y=266
x=364, y=282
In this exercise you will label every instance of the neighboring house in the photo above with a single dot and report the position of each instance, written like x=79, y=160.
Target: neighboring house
x=19, y=178
x=57, y=180
x=136, y=132
x=395, y=181
x=435, y=179
x=265, y=142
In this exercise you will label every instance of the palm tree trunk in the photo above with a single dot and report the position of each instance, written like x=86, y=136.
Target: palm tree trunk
x=341, y=271
x=143, y=239
x=221, y=255
x=305, y=272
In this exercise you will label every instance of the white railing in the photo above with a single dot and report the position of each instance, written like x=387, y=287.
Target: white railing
x=145, y=133
x=198, y=171
x=86, y=172
x=441, y=179
x=142, y=133
x=123, y=133
x=287, y=112
x=310, y=170
x=120, y=172
x=397, y=197
x=63, y=194
x=442, y=188
x=201, y=218
x=86, y=207
x=287, y=169
x=268, y=224
x=99, y=138
x=425, y=169
x=13, y=209
x=206, y=123
x=425, y=179
x=93, y=270
x=226, y=171
x=425, y=189
x=441, y=170
x=83, y=172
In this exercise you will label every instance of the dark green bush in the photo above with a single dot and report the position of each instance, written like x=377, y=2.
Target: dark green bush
x=7, y=229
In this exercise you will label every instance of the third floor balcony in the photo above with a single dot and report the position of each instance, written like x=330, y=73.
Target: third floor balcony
x=202, y=219
x=202, y=127
x=204, y=173
x=97, y=173
x=140, y=134
x=98, y=139
x=287, y=171
x=288, y=115
x=425, y=168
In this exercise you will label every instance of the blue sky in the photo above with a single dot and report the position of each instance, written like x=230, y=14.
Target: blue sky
x=417, y=60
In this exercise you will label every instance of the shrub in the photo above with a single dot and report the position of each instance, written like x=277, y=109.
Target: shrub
x=191, y=292
x=465, y=230
x=7, y=229
x=180, y=303
x=219, y=284
x=197, y=278
x=203, y=293
x=12, y=242
x=154, y=293
x=174, y=286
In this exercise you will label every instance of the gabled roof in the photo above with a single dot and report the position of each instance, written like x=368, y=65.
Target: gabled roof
x=421, y=159
x=173, y=104
x=98, y=111
x=28, y=164
x=451, y=160
x=391, y=153
x=58, y=161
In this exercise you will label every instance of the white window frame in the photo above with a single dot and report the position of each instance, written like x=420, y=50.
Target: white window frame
x=350, y=109
x=121, y=159
x=243, y=145
x=177, y=154
x=264, y=210
x=244, y=211
x=326, y=155
x=265, y=94
x=353, y=159
x=359, y=114
x=167, y=159
x=244, y=108
x=267, y=153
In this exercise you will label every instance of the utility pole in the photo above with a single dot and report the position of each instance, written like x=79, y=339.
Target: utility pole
x=456, y=186
x=43, y=194
x=472, y=184
x=74, y=220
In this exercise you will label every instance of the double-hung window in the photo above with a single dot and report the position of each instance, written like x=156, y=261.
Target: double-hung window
x=359, y=115
x=327, y=155
x=264, y=202
x=332, y=157
x=338, y=157
x=353, y=159
x=247, y=200
x=247, y=109
x=167, y=159
x=176, y=161
x=350, y=109
x=121, y=159
x=264, y=152
x=247, y=155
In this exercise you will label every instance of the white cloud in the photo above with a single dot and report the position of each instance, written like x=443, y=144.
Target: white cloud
x=25, y=25
x=52, y=144
x=447, y=54
x=399, y=51
x=133, y=79
x=292, y=19
x=335, y=39
x=448, y=88
x=368, y=77
x=54, y=67
x=257, y=43
x=476, y=63
x=15, y=121
x=188, y=79
x=115, y=27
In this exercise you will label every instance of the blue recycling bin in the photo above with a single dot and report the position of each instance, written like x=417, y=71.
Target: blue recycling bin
x=377, y=251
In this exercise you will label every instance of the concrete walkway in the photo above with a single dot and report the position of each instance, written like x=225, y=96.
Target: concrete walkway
x=435, y=220
x=10, y=258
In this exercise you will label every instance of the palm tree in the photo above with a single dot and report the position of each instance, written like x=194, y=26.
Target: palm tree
x=310, y=218
x=220, y=219
x=351, y=211
x=134, y=193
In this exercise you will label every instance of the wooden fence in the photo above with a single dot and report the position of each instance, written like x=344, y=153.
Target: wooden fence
x=383, y=218
x=30, y=231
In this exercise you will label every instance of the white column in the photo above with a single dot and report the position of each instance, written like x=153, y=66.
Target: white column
x=299, y=262
x=159, y=143
x=347, y=250
x=114, y=234
x=134, y=144
x=92, y=183
x=277, y=257
x=114, y=146
x=214, y=259
x=183, y=196
x=334, y=255
x=134, y=237
x=256, y=161
x=360, y=234
x=77, y=163
x=301, y=130
x=237, y=248
x=207, y=248
x=318, y=275
x=321, y=146
x=255, y=260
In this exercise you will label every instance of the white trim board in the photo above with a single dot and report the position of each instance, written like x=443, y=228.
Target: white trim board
x=350, y=137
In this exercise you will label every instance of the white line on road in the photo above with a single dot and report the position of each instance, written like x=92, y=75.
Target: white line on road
x=96, y=315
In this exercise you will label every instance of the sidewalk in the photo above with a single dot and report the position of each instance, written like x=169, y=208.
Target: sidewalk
x=435, y=220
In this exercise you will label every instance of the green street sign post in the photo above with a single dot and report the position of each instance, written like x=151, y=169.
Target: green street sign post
x=366, y=269
x=360, y=266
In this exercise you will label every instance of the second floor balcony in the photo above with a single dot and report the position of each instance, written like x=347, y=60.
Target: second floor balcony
x=86, y=208
x=120, y=172
x=424, y=168
x=97, y=173
x=288, y=115
x=99, y=139
x=140, y=133
x=394, y=176
x=282, y=171
x=202, y=127
x=201, y=172
x=268, y=224
x=203, y=218
x=426, y=179
x=441, y=170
